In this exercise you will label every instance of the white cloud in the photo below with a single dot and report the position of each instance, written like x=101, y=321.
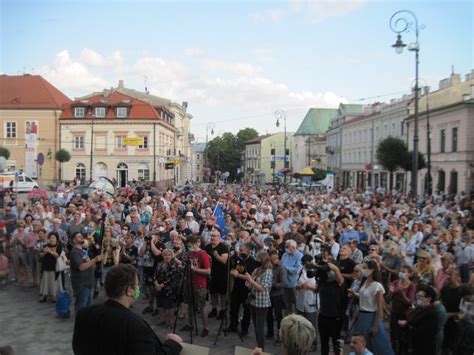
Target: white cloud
x=73, y=75
x=273, y=14
x=218, y=88
x=194, y=52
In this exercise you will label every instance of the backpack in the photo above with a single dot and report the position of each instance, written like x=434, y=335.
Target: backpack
x=63, y=301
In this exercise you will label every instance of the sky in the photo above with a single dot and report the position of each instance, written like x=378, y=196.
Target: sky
x=236, y=62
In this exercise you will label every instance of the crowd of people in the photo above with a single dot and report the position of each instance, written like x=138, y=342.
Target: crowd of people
x=365, y=267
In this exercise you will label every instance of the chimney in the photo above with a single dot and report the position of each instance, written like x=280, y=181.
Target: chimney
x=120, y=84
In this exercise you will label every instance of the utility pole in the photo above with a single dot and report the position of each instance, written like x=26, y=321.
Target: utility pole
x=92, y=149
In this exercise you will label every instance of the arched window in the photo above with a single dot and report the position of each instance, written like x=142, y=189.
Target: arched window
x=81, y=171
x=441, y=180
x=453, y=182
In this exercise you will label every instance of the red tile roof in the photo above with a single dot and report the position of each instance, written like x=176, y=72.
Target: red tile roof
x=29, y=92
x=138, y=109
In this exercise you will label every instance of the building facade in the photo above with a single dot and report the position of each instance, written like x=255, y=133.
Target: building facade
x=310, y=140
x=97, y=130
x=253, y=160
x=29, y=110
x=334, y=137
x=272, y=150
x=181, y=120
x=198, y=161
x=361, y=136
x=450, y=111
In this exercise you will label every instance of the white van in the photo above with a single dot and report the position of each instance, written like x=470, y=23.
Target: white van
x=23, y=182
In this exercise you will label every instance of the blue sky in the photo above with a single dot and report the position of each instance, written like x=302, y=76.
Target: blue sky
x=235, y=62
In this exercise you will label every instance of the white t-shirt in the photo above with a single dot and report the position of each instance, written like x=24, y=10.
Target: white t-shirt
x=367, y=300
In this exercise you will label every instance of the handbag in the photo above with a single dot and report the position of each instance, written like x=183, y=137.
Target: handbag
x=62, y=262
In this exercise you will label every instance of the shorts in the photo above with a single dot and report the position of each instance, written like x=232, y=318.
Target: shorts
x=200, y=298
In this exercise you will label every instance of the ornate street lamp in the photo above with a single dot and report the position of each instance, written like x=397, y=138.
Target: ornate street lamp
x=406, y=21
x=279, y=115
x=210, y=126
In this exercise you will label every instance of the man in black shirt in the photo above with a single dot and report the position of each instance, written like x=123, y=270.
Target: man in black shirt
x=111, y=328
x=331, y=309
x=346, y=266
x=82, y=272
x=219, y=254
x=241, y=263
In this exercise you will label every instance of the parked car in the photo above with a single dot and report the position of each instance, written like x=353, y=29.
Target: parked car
x=20, y=182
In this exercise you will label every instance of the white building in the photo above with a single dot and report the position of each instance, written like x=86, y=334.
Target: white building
x=198, y=161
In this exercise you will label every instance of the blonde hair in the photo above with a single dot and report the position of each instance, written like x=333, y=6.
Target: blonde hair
x=297, y=334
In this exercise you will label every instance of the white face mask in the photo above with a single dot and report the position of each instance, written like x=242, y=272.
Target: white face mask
x=364, y=273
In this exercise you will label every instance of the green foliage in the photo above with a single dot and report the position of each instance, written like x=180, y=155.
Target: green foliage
x=319, y=174
x=391, y=153
x=408, y=161
x=4, y=152
x=62, y=156
x=224, y=152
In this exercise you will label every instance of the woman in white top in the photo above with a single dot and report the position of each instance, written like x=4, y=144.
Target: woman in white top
x=369, y=321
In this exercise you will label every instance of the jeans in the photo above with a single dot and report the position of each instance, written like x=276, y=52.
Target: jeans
x=105, y=270
x=378, y=344
x=289, y=298
x=83, y=297
x=259, y=315
x=275, y=312
x=329, y=328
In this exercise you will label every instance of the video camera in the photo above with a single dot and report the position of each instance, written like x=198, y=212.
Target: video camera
x=319, y=270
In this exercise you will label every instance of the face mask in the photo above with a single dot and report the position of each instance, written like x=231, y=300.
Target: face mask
x=401, y=275
x=364, y=273
x=161, y=229
x=420, y=303
x=209, y=227
x=191, y=249
x=244, y=255
x=136, y=294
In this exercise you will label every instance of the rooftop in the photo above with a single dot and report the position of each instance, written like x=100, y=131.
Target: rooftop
x=29, y=92
x=316, y=121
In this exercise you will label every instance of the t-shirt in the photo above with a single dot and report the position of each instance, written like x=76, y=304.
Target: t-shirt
x=347, y=267
x=202, y=262
x=218, y=270
x=131, y=252
x=330, y=299
x=80, y=278
x=367, y=293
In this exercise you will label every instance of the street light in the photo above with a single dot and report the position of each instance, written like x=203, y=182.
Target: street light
x=280, y=114
x=399, y=24
x=211, y=126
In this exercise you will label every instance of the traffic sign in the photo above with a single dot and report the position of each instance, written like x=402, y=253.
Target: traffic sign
x=40, y=159
x=135, y=141
x=169, y=166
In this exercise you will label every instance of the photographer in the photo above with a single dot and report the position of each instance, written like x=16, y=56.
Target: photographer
x=331, y=305
x=241, y=263
x=306, y=303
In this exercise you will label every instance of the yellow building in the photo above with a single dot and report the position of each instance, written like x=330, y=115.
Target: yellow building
x=29, y=111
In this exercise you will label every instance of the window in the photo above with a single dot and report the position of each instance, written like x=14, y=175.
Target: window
x=79, y=142
x=119, y=142
x=10, y=129
x=145, y=143
x=79, y=112
x=198, y=167
x=99, y=112
x=121, y=112
x=100, y=142
x=198, y=156
x=442, y=141
x=81, y=171
x=455, y=139
x=143, y=172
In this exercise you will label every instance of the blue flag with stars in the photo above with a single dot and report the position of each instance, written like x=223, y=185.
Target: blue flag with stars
x=219, y=214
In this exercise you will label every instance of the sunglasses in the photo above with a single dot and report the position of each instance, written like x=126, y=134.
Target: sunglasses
x=373, y=249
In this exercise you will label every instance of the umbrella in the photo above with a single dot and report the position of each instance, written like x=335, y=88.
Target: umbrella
x=37, y=193
x=307, y=172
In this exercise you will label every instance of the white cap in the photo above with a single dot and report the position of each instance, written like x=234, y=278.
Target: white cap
x=189, y=214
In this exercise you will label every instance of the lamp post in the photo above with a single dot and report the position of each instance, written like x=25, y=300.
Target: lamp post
x=405, y=21
x=210, y=126
x=92, y=150
x=280, y=114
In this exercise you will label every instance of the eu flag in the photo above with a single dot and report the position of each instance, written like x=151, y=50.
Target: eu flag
x=219, y=214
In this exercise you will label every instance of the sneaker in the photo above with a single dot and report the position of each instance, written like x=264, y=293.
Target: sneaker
x=186, y=328
x=147, y=309
x=213, y=313
x=221, y=315
x=205, y=333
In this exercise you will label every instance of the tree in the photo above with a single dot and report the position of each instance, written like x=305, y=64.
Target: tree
x=319, y=174
x=224, y=152
x=4, y=152
x=391, y=153
x=62, y=156
x=408, y=161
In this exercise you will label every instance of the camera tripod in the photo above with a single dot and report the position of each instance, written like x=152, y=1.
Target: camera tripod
x=191, y=306
x=225, y=320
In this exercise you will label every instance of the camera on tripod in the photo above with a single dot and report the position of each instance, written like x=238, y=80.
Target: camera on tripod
x=319, y=270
